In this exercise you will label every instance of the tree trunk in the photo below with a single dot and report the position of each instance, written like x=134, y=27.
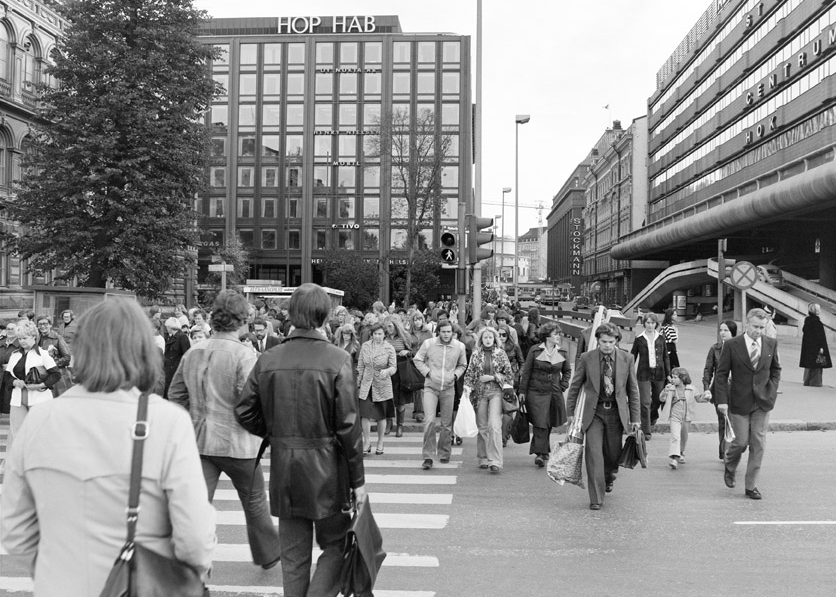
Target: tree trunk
x=410, y=254
x=97, y=278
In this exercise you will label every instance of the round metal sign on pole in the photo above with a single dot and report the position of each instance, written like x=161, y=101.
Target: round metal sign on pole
x=743, y=275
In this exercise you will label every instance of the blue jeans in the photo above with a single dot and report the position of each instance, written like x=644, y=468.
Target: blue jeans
x=432, y=398
x=489, y=422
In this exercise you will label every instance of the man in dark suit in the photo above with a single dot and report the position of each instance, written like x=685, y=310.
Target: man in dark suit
x=265, y=341
x=608, y=379
x=752, y=361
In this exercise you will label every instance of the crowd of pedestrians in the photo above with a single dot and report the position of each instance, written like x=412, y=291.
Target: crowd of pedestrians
x=309, y=381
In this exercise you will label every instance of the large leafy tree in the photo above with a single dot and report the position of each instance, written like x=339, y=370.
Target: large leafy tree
x=349, y=272
x=423, y=274
x=112, y=172
x=416, y=149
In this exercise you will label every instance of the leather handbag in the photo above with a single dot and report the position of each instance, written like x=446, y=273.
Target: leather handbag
x=411, y=378
x=510, y=402
x=137, y=571
x=520, y=431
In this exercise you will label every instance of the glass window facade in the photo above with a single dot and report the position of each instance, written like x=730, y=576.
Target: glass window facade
x=332, y=90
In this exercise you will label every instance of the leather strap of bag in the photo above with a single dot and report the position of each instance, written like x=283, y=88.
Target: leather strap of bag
x=139, y=433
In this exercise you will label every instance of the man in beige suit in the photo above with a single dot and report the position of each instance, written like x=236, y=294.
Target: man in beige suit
x=608, y=379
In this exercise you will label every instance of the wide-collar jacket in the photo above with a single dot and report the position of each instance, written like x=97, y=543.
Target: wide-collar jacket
x=588, y=377
x=301, y=394
x=640, y=352
x=750, y=387
x=542, y=377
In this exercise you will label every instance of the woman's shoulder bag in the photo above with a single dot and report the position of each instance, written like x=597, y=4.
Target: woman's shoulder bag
x=138, y=571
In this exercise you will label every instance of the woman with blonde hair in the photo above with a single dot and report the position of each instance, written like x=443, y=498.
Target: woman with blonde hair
x=488, y=370
x=401, y=341
x=68, y=471
x=33, y=373
x=346, y=338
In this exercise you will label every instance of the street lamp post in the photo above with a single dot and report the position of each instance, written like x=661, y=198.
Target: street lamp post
x=494, y=276
x=505, y=190
x=520, y=119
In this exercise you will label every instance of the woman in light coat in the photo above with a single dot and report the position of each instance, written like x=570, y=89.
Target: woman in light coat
x=375, y=368
x=28, y=392
x=66, y=486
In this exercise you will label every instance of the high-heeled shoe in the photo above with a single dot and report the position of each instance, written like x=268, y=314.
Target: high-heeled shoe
x=369, y=451
x=379, y=449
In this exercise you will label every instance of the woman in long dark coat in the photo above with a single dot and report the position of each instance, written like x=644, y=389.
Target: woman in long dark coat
x=815, y=355
x=545, y=376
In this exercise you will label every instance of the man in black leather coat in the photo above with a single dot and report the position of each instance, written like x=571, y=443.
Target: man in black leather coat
x=301, y=394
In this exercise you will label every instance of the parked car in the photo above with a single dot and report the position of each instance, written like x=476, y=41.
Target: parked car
x=771, y=274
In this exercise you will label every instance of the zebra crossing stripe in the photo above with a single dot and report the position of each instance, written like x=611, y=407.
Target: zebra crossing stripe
x=278, y=592
x=384, y=520
x=432, y=499
x=240, y=552
x=425, y=479
x=25, y=584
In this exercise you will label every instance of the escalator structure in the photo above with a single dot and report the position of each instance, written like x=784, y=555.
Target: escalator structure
x=791, y=301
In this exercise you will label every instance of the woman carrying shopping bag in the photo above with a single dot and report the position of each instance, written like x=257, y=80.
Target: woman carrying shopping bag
x=545, y=376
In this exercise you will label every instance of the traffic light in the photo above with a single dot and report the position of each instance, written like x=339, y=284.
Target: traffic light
x=475, y=237
x=449, y=250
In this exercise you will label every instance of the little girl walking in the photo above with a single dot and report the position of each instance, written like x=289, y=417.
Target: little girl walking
x=680, y=398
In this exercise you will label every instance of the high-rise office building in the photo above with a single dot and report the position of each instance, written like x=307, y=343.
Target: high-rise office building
x=294, y=171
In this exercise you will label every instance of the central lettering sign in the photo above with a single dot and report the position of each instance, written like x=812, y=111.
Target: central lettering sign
x=304, y=25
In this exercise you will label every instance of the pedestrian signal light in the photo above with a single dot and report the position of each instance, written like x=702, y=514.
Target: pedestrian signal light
x=449, y=250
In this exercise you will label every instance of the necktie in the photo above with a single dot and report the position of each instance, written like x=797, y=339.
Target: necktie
x=754, y=354
x=608, y=385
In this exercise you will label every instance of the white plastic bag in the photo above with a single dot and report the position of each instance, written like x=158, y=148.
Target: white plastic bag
x=465, y=423
x=729, y=435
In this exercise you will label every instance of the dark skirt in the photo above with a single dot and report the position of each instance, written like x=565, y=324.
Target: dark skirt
x=401, y=395
x=377, y=411
x=672, y=354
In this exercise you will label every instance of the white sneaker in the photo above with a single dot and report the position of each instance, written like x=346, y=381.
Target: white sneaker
x=673, y=463
x=682, y=459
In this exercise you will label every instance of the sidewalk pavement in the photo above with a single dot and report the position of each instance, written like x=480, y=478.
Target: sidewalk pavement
x=798, y=407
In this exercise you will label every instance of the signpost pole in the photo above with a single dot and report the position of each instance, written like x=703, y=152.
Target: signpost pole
x=223, y=279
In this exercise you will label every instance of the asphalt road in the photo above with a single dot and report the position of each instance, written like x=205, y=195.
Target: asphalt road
x=460, y=531
x=661, y=532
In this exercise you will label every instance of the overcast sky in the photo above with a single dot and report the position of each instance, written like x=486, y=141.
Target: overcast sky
x=559, y=61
